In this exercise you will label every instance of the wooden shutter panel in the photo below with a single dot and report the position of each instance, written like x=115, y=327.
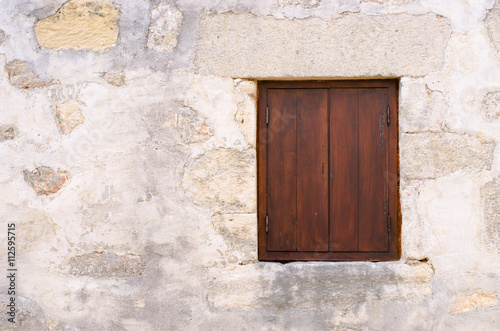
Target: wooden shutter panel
x=373, y=170
x=312, y=170
x=344, y=170
x=328, y=152
x=298, y=170
x=282, y=170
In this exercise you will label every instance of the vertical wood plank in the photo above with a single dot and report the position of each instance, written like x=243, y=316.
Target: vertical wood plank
x=262, y=170
x=373, y=170
x=312, y=170
x=282, y=170
x=394, y=205
x=344, y=151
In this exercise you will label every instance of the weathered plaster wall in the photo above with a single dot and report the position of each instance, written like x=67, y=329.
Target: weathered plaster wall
x=127, y=161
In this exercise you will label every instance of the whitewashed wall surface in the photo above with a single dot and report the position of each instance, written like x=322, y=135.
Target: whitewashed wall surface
x=128, y=163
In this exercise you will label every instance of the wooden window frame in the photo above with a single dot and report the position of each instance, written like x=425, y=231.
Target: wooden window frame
x=394, y=223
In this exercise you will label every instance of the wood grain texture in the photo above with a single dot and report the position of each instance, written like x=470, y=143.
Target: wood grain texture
x=312, y=170
x=394, y=202
x=376, y=175
x=373, y=170
x=261, y=171
x=282, y=170
x=344, y=157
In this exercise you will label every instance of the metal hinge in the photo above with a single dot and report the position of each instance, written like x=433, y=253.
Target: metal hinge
x=388, y=115
x=267, y=115
x=389, y=223
x=267, y=223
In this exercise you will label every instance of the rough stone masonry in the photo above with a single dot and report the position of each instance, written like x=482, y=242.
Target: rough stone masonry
x=128, y=162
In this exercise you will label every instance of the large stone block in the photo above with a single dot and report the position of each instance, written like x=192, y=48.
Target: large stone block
x=491, y=106
x=22, y=76
x=7, y=132
x=240, y=235
x=106, y=264
x=470, y=302
x=223, y=180
x=427, y=155
x=165, y=26
x=317, y=285
x=450, y=207
x=302, y=3
x=217, y=100
x=246, y=113
x=189, y=125
x=353, y=45
x=389, y=2
x=490, y=198
x=35, y=227
x=417, y=236
x=116, y=79
x=420, y=108
x=69, y=115
x=45, y=180
x=80, y=24
x=493, y=25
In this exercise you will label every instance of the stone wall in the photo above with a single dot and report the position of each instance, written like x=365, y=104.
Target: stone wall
x=128, y=162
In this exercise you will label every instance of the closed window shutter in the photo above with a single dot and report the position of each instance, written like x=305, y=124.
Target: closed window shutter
x=326, y=192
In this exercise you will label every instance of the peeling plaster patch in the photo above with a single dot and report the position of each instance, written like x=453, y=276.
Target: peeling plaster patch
x=69, y=115
x=248, y=87
x=45, y=180
x=246, y=113
x=417, y=236
x=246, y=117
x=7, y=132
x=490, y=196
x=223, y=180
x=165, y=26
x=80, y=24
x=421, y=109
x=106, y=264
x=250, y=46
x=467, y=303
x=353, y=315
x=131, y=324
x=390, y=2
x=21, y=75
x=493, y=25
x=190, y=126
x=427, y=155
x=302, y=3
x=240, y=234
x=35, y=227
x=2, y=36
x=451, y=205
x=141, y=303
x=116, y=79
x=216, y=99
x=491, y=106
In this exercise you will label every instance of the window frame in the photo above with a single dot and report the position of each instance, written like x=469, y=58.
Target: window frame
x=394, y=252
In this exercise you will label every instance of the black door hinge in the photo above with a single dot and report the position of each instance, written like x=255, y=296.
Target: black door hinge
x=388, y=115
x=267, y=115
x=389, y=223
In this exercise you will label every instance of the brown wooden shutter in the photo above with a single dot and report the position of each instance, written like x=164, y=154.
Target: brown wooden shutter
x=327, y=155
x=282, y=170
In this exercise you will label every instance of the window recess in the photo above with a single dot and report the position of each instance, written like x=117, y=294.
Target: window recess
x=328, y=170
